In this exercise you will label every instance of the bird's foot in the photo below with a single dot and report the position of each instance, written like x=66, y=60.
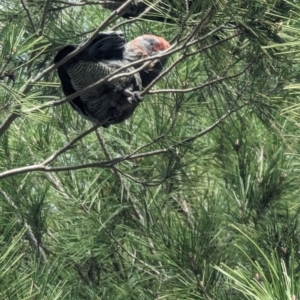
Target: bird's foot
x=133, y=97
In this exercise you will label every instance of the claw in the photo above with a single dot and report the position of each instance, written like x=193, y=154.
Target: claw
x=132, y=96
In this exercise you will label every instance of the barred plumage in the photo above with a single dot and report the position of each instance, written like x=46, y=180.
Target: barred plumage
x=114, y=101
x=109, y=101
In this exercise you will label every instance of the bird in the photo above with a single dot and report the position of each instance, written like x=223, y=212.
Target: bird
x=103, y=56
x=114, y=101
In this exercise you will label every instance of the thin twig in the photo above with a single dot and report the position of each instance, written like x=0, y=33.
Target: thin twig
x=201, y=86
x=138, y=18
x=203, y=21
x=79, y=3
x=28, y=15
x=182, y=57
x=132, y=255
x=109, y=163
x=44, y=16
x=69, y=145
x=137, y=212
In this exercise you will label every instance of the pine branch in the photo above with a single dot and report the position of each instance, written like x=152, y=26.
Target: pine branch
x=28, y=15
x=30, y=235
x=109, y=163
x=203, y=85
x=116, y=172
x=44, y=16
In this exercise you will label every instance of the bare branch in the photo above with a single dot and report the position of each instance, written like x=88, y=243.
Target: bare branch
x=181, y=58
x=28, y=15
x=201, y=86
x=78, y=3
x=132, y=255
x=132, y=201
x=203, y=21
x=111, y=162
x=69, y=145
x=5, y=125
x=213, y=126
x=140, y=17
x=46, y=7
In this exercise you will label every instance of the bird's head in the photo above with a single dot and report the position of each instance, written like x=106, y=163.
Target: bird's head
x=153, y=43
x=147, y=45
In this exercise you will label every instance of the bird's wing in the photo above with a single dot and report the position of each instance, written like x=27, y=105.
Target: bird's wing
x=85, y=73
x=99, y=59
x=107, y=45
x=62, y=71
x=65, y=79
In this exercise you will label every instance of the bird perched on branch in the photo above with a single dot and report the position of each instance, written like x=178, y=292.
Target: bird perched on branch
x=113, y=101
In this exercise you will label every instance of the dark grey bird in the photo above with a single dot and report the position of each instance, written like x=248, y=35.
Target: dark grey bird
x=112, y=102
x=109, y=101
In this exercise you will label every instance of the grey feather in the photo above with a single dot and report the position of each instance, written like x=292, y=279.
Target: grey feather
x=107, y=101
x=111, y=102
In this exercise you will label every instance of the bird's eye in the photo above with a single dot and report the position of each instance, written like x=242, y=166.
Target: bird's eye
x=152, y=42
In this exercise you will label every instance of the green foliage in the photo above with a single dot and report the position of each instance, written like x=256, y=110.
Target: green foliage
x=194, y=197
x=275, y=277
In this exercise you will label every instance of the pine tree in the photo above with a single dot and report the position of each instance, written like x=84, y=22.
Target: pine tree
x=194, y=197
